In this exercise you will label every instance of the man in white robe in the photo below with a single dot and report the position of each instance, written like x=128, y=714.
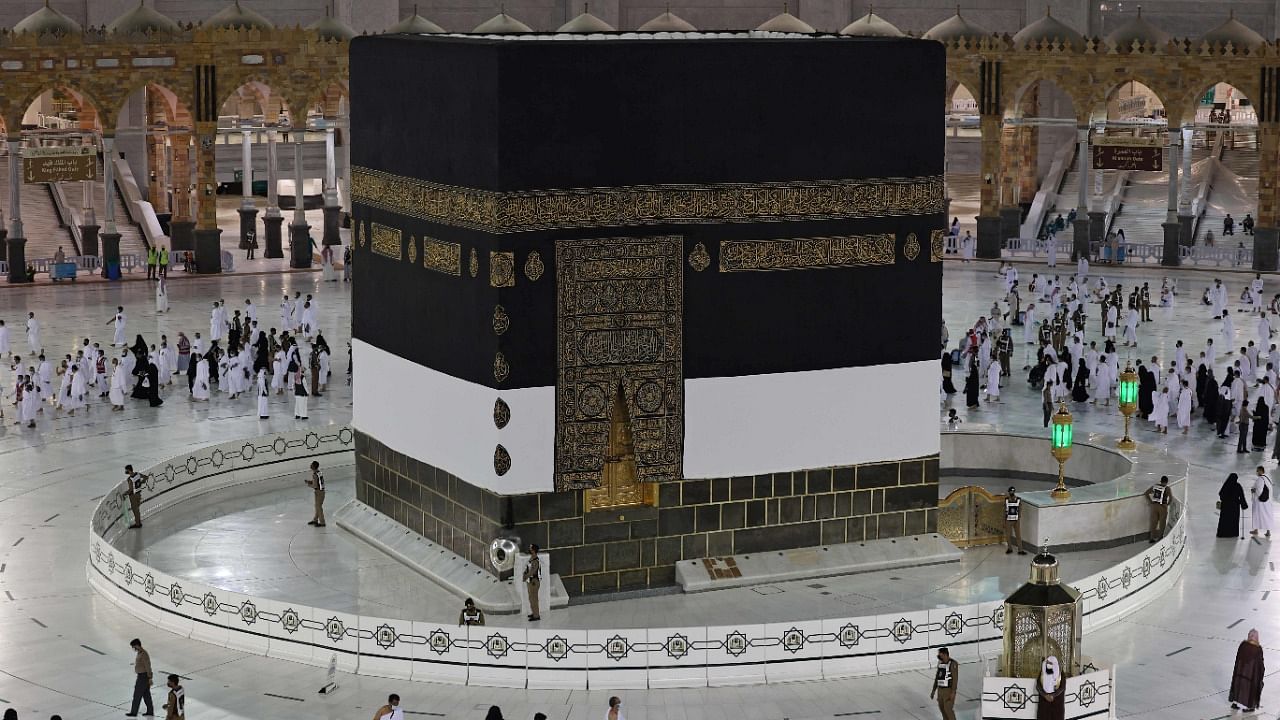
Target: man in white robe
x=1262, y=495
x=1184, y=408
x=33, y=333
x=250, y=310
x=4, y=339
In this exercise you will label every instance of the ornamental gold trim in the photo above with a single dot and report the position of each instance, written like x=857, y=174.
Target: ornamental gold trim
x=501, y=321
x=533, y=267
x=413, y=250
x=500, y=368
x=385, y=240
x=474, y=263
x=525, y=210
x=442, y=256
x=937, y=241
x=807, y=253
x=911, y=249
x=699, y=259
x=502, y=269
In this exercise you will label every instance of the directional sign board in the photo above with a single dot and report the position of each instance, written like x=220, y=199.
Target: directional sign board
x=59, y=164
x=1127, y=153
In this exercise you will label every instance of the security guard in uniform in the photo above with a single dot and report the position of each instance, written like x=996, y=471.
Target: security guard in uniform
x=533, y=581
x=142, y=679
x=1160, y=496
x=316, y=483
x=945, y=681
x=1013, y=523
x=176, y=707
x=134, y=482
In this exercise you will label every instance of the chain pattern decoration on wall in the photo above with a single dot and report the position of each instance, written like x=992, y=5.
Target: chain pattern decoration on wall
x=386, y=241
x=533, y=267
x=442, y=256
x=806, y=253
x=524, y=210
x=620, y=314
x=502, y=269
x=296, y=630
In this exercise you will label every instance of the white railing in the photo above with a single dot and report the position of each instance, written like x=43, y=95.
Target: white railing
x=544, y=657
x=1218, y=255
x=1090, y=695
x=1034, y=247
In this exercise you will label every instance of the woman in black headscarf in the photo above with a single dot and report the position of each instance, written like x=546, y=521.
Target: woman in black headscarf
x=971, y=385
x=1261, y=424
x=1231, y=501
x=139, y=350
x=1146, y=391
x=1210, y=400
x=947, y=386
x=1080, y=390
x=153, y=385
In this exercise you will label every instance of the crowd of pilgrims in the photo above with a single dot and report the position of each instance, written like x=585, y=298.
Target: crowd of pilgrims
x=1067, y=367
x=253, y=362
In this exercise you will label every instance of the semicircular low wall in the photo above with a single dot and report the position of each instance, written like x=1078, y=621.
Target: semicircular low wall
x=545, y=657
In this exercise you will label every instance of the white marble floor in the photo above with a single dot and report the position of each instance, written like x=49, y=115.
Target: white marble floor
x=64, y=650
x=260, y=545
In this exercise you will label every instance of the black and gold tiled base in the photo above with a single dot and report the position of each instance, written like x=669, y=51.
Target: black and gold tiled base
x=631, y=548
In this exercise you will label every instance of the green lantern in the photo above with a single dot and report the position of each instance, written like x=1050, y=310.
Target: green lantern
x=1060, y=442
x=1128, y=403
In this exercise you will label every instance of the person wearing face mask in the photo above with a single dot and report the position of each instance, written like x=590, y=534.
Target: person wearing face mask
x=945, y=680
x=615, y=709
x=1050, y=687
x=390, y=711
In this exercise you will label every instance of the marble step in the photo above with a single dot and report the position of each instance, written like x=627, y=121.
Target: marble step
x=814, y=562
x=437, y=563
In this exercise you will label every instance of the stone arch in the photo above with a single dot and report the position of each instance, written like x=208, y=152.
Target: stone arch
x=954, y=87
x=1188, y=103
x=1063, y=80
x=1103, y=93
x=90, y=104
x=270, y=94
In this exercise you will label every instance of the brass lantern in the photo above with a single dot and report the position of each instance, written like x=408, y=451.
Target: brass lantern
x=1128, y=391
x=1060, y=448
x=1042, y=618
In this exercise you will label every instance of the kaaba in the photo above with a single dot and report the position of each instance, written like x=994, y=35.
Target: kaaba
x=643, y=299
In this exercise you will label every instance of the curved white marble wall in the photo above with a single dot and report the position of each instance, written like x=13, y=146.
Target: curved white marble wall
x=1110, y=509
x=545, y=657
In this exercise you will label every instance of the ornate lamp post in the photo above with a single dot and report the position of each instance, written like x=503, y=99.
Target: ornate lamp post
x=1061, y=448
x=1128, y=403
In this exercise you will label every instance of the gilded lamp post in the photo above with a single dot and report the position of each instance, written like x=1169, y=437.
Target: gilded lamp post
x=1061, y=448
x=1128, y=403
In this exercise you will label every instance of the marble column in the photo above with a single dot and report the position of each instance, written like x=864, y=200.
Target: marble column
x=208, y=234
x=989, y=240
x=15, y=242
x=299, y=230
x=182, y=226
x=1172, y=228
x=1266, y=232
x=1080, y=229
x=1185, y=219
x=89, y=222
x=272, y=220
x=332, y=210
x=109, y=236
x=248, y=213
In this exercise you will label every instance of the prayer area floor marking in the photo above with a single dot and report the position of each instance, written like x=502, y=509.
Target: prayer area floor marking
x=1175, y=652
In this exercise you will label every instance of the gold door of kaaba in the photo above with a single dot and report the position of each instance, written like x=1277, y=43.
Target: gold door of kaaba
x=619, y=485
x=971, y=516
x=620, y=315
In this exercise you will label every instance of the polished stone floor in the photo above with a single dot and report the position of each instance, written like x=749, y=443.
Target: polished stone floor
x=64, y=650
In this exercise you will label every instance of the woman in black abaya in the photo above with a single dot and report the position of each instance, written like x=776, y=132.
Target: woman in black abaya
x=947, y=386
x=1231, y=501
x=1261, y=424
x=971, y=385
